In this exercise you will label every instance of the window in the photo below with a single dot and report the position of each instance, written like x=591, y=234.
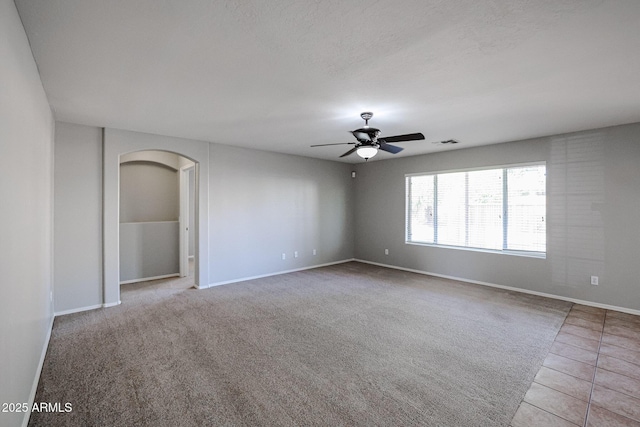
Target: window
x=496, y=209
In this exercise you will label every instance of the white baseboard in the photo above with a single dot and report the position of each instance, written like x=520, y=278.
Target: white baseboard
x=36, y=380
x=87, y=308
x=111, y=304
x=508, y=288
x=244, y=279
x=78, y=310
x=145, y=279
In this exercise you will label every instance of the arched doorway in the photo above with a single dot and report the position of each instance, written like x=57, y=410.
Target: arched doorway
x=155, y=203
x=118, y=143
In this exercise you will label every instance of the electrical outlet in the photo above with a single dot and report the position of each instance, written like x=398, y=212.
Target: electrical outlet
x=284, y=256
x=314, y=252
x=386, y=251
x=295, y=254
x=594, y=280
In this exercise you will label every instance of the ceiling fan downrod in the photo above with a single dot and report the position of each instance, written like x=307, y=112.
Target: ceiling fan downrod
x=366, y=116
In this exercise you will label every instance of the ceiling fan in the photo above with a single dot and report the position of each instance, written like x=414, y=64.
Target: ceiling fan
x=369, y=141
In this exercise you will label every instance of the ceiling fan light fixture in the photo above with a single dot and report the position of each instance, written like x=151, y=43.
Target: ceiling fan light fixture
x=366, y=152
x=369, y=140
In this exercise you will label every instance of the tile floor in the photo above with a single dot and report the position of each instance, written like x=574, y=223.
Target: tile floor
x=591, y=376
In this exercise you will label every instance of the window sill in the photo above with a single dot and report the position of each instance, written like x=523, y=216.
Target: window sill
x=539, y=255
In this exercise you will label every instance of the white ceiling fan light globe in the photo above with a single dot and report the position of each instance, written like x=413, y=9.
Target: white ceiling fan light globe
x=366, y=152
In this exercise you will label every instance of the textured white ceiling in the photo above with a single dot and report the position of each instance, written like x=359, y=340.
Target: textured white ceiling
x=282, y=75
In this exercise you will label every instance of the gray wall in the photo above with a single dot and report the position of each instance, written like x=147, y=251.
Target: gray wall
x=148, y=192
x=261, y=205
x=78, y=217
x=148, y=249
x=26, y=150
x=265, y=204
x=149, y=212
x=592, y=204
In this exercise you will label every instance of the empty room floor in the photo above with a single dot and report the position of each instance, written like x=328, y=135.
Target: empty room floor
x=591, y=376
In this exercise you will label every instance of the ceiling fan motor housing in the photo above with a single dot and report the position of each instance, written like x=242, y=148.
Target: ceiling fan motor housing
x=366, y=134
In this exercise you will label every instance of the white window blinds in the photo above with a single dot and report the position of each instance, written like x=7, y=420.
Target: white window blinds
x=497, y=209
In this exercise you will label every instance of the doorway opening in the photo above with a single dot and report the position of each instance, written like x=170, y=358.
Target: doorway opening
x=157, y=224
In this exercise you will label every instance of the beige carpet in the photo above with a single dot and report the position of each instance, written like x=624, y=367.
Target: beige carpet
x=350, y=344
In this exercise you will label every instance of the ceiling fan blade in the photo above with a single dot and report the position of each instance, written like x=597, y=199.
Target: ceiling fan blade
x=337, y=143
x=402, y=138
x=349, y=152
x=393, y=149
